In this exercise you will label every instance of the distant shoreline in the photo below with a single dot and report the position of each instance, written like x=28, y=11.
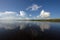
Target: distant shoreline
x=42, y=20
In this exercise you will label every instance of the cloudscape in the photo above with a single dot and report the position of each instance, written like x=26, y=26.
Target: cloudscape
x=29, y=9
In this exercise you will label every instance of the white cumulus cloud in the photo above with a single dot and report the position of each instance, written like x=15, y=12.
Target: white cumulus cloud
x=22, y=13
x=44, y=14
x=33, y=7
x=8, y=15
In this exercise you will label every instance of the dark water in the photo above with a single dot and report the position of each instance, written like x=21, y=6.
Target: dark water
x=29, y=30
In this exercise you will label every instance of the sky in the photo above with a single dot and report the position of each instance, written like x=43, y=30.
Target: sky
x=29, y=9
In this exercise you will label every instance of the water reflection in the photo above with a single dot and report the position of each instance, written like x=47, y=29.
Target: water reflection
x=7, y=26
x=22, y=26
x=12, y=25
x=45, y=26
x=29, y=30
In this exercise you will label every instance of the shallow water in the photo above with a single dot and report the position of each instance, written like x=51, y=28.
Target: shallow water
x=29, y=30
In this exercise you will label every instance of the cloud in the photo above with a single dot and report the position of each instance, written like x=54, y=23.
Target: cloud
x=8, y=15
x=7, y=12
x=34, y=7
x=30, y=15
x=22, y=13
x=44, y=14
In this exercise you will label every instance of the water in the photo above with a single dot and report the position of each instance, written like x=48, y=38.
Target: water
x=29, y=30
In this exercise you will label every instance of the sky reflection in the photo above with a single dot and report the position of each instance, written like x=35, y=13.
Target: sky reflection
x=22, y=24
x=45, y=26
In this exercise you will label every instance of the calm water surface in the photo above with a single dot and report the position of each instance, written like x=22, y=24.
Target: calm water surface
x=29, y=30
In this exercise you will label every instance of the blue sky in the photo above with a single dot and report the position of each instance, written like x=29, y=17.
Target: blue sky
x=29, y=8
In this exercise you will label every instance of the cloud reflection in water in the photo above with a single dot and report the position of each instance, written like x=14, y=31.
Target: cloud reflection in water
x=12, y=25
x=44, y=26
